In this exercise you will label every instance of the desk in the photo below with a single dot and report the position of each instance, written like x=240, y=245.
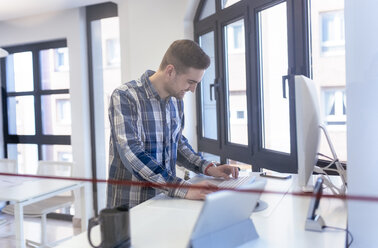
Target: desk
x=168, y=223
x=36, y=190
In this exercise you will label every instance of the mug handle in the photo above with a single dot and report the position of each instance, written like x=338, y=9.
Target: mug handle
x=93, y=222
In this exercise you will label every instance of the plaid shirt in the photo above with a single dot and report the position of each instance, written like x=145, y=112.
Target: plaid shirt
x=146, y=142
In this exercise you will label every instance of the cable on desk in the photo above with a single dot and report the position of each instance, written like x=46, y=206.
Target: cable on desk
x=342, y=229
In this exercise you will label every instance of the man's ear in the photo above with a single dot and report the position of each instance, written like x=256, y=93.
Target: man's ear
x=170, y=70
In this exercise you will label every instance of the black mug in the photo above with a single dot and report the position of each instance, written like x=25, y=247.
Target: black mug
x=115, y=227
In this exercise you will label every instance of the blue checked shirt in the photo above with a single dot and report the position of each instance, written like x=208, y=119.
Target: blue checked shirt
x=146, y=142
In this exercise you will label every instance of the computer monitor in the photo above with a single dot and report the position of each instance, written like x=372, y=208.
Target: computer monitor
x=308, y=131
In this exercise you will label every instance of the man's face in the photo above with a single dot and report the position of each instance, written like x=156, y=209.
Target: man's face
x=184, y=82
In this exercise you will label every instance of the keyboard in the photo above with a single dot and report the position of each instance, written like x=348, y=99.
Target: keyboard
x=234, y=183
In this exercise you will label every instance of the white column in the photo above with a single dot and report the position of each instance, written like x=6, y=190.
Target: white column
x=361, y=25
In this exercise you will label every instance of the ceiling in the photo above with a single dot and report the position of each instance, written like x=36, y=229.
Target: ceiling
x=12, y=9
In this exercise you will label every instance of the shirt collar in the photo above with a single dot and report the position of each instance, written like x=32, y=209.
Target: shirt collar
x=150, y=90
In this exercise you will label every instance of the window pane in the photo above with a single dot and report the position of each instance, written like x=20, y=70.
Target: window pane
x=208, y=9
x=236, y=83
x=54, y=69
x=106, y=62
x=56, y=114
x=244, y=168
x=227, y=3
x=26, y=156
x=209, y=104
x=211, y=157
x=57, y=153
x=334, y=106
x=332, y=32
x=21, y=115
x=328, y=69
x=274, y=65
x=19, y=72
x=113, y=57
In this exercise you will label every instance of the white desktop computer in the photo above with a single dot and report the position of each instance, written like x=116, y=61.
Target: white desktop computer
x=309, y=126
x=308, y=132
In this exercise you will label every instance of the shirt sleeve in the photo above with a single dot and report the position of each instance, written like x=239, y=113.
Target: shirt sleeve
x=123, y=116
x=188, y=158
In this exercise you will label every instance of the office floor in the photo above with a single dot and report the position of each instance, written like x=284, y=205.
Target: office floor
x=56, y=230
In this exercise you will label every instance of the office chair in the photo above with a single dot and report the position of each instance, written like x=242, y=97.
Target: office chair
x=8, y=165
x=42, y=208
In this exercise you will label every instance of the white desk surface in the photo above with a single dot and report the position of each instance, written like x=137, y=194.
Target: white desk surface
x=26, y=192
x=168, y=223
x=34, y=188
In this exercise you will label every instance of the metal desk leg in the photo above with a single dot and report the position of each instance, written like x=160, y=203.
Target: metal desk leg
x=84, y=212
x=19, y=222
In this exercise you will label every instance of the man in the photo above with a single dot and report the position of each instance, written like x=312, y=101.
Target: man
x=147, y=119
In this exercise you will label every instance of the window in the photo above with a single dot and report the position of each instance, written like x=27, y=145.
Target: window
x=332, y=32
x=243, y=166
x=275, y=117
x=36, y=105
x=243, y=115
x=209, y=89
x=63, y=111
x=20, y=75
x=113, y=52
x=328, y=70
x=211, y=157
x=208, y=8
x=238, y=36
x=240, y=114
x=334, y=105
x=57, y=152
x=104, y=75
x=228, y=3
x=256, y=48
x=235, y=80
x=61, y=59
x=24, y=153
x=21, y=115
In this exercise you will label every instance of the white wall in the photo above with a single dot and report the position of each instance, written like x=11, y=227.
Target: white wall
x=361, y=25
x=147, y=28
x=68, y=24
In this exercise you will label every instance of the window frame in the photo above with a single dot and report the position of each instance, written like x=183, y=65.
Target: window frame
x=298, y=63
x=93, y=13
x=38, y=138
x=216, y=23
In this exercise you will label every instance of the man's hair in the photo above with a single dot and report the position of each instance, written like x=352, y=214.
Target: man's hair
x=183, y=54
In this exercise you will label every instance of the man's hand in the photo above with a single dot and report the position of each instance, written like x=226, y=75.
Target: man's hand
x=224, y=171
x=200, y=194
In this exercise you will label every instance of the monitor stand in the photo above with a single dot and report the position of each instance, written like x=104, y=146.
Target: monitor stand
x=260, y=206
x=309, y=188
